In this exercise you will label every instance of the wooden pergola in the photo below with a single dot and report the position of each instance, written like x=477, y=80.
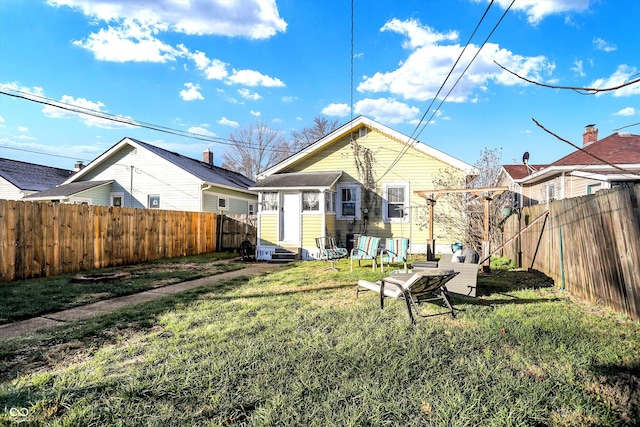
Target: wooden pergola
x=485, y=194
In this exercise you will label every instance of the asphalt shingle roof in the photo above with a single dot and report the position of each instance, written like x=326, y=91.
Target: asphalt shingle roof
x=67, y=190
x=32, y=177
x=521, y=171
x=618, y=148
x=300, y=180
x=204, y=171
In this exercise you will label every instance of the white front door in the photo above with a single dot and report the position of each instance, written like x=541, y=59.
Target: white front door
x=290, y=219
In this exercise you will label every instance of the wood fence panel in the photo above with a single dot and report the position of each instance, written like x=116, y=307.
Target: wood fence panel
x=43, y=239
x=590, y=245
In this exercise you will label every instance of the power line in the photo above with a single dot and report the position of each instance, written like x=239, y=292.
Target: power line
x=131, y=122
x=409, y=143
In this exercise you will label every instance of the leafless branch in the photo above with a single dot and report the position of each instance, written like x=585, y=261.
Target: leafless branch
x=581, y=90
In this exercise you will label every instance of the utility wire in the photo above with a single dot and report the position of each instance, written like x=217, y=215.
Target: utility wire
x=131, y=122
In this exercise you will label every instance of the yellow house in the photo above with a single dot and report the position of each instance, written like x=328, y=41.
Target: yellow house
x=358, y=180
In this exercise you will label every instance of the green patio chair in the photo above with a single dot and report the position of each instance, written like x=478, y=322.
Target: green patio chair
x=366, y=249
x=395, y=250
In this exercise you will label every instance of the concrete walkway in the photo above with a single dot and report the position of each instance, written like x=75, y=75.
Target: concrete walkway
x=30, y=326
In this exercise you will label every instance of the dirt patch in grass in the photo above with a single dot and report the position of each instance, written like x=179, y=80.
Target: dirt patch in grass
x=620, y=390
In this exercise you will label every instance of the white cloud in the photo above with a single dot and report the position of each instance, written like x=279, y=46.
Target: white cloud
x=577, y=68
x=386, y=110
x=339, y=110
x=213, y=69
x=255, y=19
x=226, y=122
x=247, y=94
x=253, y=78
x=288, y=99
x=255, y=113
x=17, y=87
x=428, y=63
x=69, y=108
x=629, y=111
x=201, y=130
x=603, y=45
x=131, y=41
x=623, y=74
x=23, y=129
x=537, y=10
x=191, y=93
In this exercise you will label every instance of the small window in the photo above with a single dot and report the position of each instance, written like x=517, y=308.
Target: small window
x=310, y=201
x=551, y=192
x=348, y=201
x=593, y=188
x=223, y=203
x=251, y=209
x=270, y=201
x=395, y=202
x=117, y=199
x=154, y=201
x=330, y=201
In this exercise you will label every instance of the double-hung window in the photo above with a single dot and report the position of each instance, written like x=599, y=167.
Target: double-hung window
x=270, y=201
x=311, y=201
x=395, y=202
x=348, y=206
x=330, y=201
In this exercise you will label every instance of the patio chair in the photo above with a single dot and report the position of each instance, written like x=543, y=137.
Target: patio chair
x=396, y=250
x=427, y=285
x=329, y=251
x=367, y=248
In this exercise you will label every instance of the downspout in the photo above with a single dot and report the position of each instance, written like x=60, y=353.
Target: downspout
x=202, y=190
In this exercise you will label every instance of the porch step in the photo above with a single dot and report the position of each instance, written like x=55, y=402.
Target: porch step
x=283, y=255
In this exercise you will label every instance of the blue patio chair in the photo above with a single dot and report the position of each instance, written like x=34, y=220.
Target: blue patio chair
x=366, y=249
x=396, y=250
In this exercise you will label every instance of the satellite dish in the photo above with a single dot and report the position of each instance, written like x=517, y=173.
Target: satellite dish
x=525, y=157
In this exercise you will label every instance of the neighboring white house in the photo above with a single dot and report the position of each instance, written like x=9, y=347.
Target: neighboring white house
x=136, y=174
x=19, y=179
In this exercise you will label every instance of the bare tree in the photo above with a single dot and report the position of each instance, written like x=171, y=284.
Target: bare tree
x=255, y=149
x=470, y=225
x=307, y=136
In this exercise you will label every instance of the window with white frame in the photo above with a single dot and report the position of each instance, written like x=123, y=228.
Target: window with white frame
x=348, y=206
x=311, y=201
x=330, y=201
x=251, y=208
x=223, y=203
x=153, y=201
x=117, y=199
x=551, y=192
x=395, y=201
x=593, y=188
x=270, y=201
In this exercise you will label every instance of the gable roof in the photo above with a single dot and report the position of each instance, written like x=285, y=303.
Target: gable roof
x=67, y=190
x=618, y=148
x=32, y=177
x=521, y=170
x=353, y=126
x=210, y=174
x=299, y=180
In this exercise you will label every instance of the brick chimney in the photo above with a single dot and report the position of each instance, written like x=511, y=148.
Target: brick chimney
x=590, y=135
x=78, y=166
x=207, y=157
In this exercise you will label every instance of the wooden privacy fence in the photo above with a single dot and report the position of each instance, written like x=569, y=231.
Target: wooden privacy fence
x=234, y=229
x=46, y=239
x=590, y=246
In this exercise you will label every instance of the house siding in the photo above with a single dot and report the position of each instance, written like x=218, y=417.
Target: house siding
x=268, y=229
x=415, y=167
x=8, y=191
x=139, y=173
x=311, y=228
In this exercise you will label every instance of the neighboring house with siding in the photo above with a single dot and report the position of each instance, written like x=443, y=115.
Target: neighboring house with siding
x=19, y=179
x=600, y=164
x=319, y=192
x=136, y=174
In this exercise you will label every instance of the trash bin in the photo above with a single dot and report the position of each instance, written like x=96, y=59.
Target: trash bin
x=457, y=246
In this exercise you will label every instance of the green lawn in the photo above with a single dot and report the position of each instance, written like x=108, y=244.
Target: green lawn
x=295, y=347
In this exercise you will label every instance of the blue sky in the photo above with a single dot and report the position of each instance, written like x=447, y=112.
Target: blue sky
x=213, y=66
